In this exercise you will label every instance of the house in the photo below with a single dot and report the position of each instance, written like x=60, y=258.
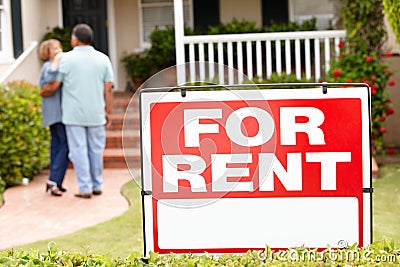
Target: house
x=124, y=25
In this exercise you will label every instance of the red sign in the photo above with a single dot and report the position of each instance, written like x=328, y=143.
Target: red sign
x=237, y=170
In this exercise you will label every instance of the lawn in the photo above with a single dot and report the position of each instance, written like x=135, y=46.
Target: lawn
x=122, y=236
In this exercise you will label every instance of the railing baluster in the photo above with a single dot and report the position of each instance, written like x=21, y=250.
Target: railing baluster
x=249, y=60
x=259, y=60
x=192, y=60
x=298, y=58
x=230, y=63
x=221, y=63
x=288, y=57
x=308, y=58
x=211, y=69
x=202, y=68
x=327, y=45
x=268, y=58
x=317, y=59
x=337, y=49
x=278, y=55
x=240, y=61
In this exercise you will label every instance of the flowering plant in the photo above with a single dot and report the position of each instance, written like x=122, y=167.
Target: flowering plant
x=365, y=67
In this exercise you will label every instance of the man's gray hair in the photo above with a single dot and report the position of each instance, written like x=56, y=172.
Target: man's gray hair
x=83, y=32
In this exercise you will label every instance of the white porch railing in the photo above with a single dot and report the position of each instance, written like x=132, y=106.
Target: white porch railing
x=307, y=54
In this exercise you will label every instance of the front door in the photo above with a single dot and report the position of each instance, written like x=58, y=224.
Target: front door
x=91, y=12
x=275, y=11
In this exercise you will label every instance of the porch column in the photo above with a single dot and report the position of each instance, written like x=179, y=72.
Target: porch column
x=179, y=45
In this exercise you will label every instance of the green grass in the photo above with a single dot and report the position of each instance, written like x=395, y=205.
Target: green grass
x=386, y=203
x=122, y=236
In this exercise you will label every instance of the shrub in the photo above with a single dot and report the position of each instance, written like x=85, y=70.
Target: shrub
x=365, y=67
x=61, y=34
x=24, y=143
x=162, y=50
x=364, y=24
x=383, y=253
x=234, y=27
x=282, y=78
x=137, y=64
x=392, y=9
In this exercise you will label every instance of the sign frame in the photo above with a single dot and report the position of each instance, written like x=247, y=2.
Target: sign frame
x=149, y=96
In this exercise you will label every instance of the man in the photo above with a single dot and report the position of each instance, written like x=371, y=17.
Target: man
x=87, y=78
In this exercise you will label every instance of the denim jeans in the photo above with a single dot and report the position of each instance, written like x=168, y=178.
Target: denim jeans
x=58, y=153
x=86, y=145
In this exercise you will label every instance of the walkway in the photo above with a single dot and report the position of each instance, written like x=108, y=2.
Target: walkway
x=29, y=215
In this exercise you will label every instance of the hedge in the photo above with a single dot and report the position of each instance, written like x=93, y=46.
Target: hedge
x=24, y=143
x=381, y=253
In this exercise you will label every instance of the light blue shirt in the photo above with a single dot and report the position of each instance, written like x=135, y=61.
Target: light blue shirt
x=83, y=72
x=51, y=105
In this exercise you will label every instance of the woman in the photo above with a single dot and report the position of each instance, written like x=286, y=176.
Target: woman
x=50, y=52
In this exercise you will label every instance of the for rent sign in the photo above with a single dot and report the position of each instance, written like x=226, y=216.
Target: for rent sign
x=229, y=171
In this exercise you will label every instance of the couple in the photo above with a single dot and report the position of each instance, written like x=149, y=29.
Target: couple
x=78, y=83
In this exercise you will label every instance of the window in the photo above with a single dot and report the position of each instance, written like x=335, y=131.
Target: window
x=160, y=13
x=5, y=37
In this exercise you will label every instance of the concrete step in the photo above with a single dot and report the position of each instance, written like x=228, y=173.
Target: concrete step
x=121, y=158
x=122, y=100
x=115, y=156
x=116, y=138
x=118, y=119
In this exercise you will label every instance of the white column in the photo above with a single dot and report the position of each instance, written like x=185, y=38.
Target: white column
x=179, y=45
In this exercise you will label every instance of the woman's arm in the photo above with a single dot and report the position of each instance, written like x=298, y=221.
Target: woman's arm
x=49, y=88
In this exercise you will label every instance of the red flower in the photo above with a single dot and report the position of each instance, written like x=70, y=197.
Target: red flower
x=349, y=81
x=337, y=73
x=382, y=118
x=389, y=111
x=388, y=54
x=373, y=78
x=341, y=45
x=386, y=71
x=369, y=58
x=363, y=80
x=391, y=83
x=342, y=55
x=382, y=129
x=391, y=151
x=373, y=89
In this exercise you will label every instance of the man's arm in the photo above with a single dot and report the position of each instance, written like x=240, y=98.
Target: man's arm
x=49, y=88
x=109, y=98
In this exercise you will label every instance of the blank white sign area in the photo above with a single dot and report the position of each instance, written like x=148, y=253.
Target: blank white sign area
x=257, y=222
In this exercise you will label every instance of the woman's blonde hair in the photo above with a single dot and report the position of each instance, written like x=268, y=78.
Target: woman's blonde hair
x=44, y=48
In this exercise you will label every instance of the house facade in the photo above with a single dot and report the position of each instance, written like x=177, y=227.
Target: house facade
x=124, y=25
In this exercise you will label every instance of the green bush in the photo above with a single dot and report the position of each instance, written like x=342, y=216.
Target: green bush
x=382, y=253
x=284, y=78
x=61, y=34
x=137, y=64
x=361, y=66
x=244, y=26
x=24, y=143
x=364, y=24
x=360, y=60
x=392, y=9
x=234, y=27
